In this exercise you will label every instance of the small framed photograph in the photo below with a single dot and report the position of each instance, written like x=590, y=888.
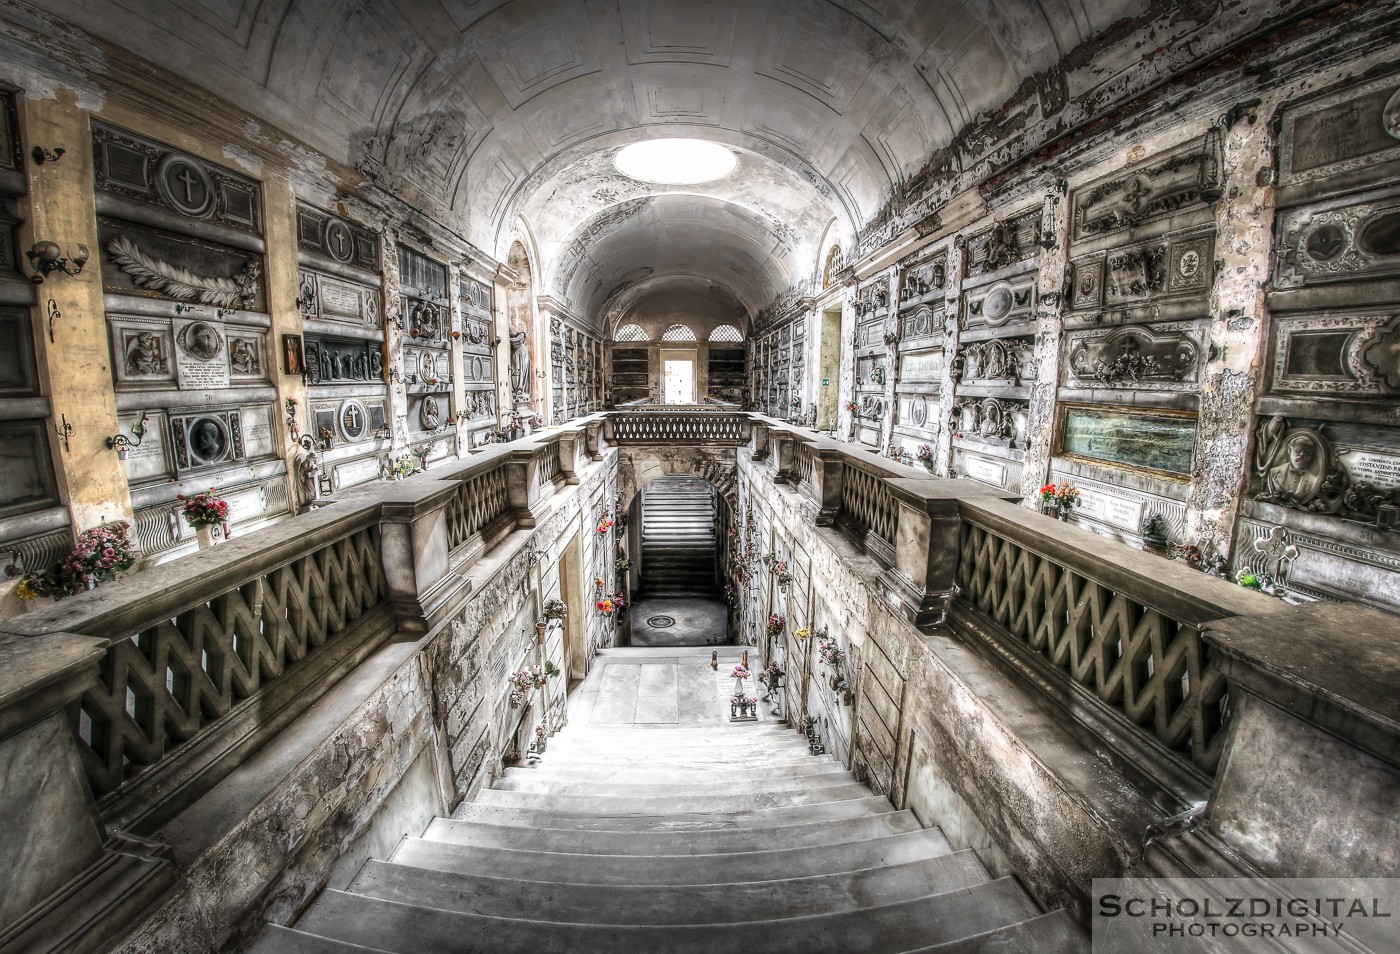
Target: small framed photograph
x=293, y=357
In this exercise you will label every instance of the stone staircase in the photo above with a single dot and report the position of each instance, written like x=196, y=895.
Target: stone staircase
x=678, y=539
x=683, y=838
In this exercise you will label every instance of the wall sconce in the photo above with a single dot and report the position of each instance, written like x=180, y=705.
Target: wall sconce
x=42, y=155
x=46, y=257
x=64, y=431
x=121, y=443
x=1210, y=183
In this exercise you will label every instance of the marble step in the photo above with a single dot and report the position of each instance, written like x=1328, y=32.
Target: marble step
x=886, y=929
x=1053, y=933
x=455, y=832
x=668, y=904
x=715, y=868
x=588, y=770
x=276, y=939
x=739, y=801
x=648, y=785
x=826, y=812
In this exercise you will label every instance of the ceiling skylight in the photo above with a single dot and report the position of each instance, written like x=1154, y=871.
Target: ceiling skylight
x=675, y=161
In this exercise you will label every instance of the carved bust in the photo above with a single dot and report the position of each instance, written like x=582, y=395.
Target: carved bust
x=430, y=417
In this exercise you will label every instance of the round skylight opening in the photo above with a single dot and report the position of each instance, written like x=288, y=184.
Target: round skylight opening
x=675, y=161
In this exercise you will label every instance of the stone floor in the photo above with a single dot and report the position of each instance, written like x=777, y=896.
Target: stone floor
x=673, y=687
x=698, y=622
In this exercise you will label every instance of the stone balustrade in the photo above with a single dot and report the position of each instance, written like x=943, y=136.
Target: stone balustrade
x=145, y=693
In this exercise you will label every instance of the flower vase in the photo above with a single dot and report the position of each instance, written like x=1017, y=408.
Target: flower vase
x=738, y=687
x=205, y=536
x=1064, y=514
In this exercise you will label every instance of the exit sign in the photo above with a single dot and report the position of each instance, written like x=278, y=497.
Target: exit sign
x=826, y=382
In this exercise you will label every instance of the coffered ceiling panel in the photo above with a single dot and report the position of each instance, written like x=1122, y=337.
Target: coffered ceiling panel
x=807, y=55
x=367, y=62
x=528, y=56
x=678, y=31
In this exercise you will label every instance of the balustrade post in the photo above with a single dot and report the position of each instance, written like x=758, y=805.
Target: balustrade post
x=570, y=451
x=523, y=484
x=416, y=548
x=828, y=476
x=595, y=437
x=785, y=456
x=760, y=440
x=923, y=579
x=61, y=878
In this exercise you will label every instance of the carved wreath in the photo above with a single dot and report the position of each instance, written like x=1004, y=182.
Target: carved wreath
x=173, y=281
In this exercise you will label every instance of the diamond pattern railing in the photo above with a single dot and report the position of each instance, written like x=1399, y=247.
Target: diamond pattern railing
x=679, y=427
x=551, y=465
x=1149, y=667
x=802, y=466
x=478, y=502
x=176, y=674
x=867, y=506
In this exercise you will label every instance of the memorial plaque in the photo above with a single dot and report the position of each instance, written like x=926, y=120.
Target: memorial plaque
x=1118, y=436
x=1380, y=470
x=922, y=368
x=988, y=471
x=201, y=355
x=257, y=432
x=341, y=299
x=1340, y=132
x=1124, y=514
x=354, y=472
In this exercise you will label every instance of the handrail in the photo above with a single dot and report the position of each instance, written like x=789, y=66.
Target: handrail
x=689, y=426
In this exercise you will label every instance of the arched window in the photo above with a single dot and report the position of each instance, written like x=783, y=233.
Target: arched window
x=726, y=333
x=678, y=333
x=630, y=333
x=835, y=261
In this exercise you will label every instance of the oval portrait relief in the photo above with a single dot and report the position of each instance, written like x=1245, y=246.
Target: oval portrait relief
x=201, y=340
x=997, y=305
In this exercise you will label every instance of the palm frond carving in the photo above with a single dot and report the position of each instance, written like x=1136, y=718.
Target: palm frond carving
x=174, y=281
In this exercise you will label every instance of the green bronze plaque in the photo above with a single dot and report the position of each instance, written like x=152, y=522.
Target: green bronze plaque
x=1138, y=439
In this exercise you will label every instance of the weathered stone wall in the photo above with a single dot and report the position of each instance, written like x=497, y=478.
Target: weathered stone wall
x=1001, y=774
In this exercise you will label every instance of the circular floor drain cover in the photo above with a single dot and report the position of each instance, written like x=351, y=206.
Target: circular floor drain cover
x=661, y=622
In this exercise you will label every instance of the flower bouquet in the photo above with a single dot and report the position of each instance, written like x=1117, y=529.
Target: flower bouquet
x=555, y=609
x=802, y=633
x=739, y=672
x=101, y=554
x=926, y=453
x=831, y=654
x=776, y=622
x=731, y=594
x=205, y=510
x=1061, y=498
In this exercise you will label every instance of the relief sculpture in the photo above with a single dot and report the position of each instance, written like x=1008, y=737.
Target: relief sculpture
x=1302, y=469
x=173, y=281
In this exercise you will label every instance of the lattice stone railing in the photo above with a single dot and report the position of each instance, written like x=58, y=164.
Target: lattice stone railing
x=868, y=509
x=1144, y=662
x=684, y=427
x=188, y=666
x=477, y=503
x=802, y=465
x=551, y=464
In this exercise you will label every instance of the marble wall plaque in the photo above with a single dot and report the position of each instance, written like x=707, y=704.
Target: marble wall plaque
x=1340, y=132
x=341, y=299
x=257, y=431
x=201, y=354
x=1124, y=514
x=353, y=472
x=147, y=459
x=1380, y=470
x=988, y=471
x=922, y=368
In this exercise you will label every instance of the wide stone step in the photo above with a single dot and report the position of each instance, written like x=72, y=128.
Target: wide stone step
x=720, y=868
x=276, y=939
x=572, y=841
x=799, y=762
x=739, y=801
x=826, y=812
x=1053, y=933
x=666, y=788
x=886, y=929
x=669, y=904
x=584, y=770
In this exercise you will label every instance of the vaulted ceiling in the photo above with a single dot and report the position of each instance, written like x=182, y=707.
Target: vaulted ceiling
x=503, y=116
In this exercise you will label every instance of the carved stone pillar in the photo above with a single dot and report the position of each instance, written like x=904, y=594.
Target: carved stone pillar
x=784, y=456
x=523, y=485
x=414, y=542
x=828, y=477
x=760, y=440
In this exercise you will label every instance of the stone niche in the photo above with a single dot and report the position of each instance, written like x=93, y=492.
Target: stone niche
x=181, y=258
x=918, y=356
x=1321, y=514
